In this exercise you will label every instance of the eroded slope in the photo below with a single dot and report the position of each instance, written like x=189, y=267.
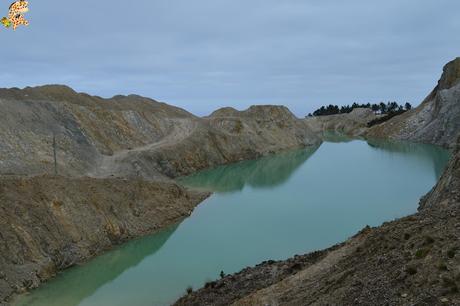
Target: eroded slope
x=50, y=223
x=436, y=120
x=131, y=136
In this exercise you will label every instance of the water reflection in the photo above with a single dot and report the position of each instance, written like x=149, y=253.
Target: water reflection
x=87, y=279
x=424, y=152
x=266, y=172
x=336, y=137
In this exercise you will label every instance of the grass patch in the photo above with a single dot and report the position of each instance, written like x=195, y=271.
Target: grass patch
x=442, y=266
x=422, y=253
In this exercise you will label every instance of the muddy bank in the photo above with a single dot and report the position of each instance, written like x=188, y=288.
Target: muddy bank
x=51, y=223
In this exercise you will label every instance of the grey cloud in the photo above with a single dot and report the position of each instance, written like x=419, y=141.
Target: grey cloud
x=205, y=54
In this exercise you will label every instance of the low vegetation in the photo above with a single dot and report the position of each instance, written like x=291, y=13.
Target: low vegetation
x=388, y=108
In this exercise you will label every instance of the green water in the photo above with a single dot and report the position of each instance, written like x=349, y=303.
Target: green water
x=272, y=208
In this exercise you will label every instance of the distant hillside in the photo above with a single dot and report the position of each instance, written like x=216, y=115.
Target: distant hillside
x=436, y=120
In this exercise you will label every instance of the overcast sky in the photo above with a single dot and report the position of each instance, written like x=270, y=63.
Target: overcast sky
x=205, y=54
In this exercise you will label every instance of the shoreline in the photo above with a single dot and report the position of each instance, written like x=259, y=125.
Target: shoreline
x=258, y=285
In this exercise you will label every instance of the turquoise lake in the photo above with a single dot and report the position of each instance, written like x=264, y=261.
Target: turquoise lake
x=271, y=208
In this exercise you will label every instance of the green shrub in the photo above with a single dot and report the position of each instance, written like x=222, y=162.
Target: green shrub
x=209, y=284
x=421, y=253
x=442, y=266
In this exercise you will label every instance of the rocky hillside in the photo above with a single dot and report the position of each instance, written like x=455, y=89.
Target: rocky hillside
x=86, y=128
x=436, y=120
x=222, y=138
x=131, y=135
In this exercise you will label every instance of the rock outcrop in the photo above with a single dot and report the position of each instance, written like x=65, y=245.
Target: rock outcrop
x=352, y=124
x=436, y=120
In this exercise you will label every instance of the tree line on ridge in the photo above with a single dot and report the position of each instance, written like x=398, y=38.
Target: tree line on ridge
x=389, y=108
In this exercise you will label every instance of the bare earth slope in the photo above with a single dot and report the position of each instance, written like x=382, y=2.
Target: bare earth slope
x=86, y=128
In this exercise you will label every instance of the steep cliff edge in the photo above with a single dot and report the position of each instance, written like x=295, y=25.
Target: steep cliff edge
x=51, y=223
x=436, y=120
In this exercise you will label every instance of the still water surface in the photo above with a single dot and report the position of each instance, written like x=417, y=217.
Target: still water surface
x=272, y=208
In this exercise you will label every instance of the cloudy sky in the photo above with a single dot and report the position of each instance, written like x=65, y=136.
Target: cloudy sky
x=204, y=54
